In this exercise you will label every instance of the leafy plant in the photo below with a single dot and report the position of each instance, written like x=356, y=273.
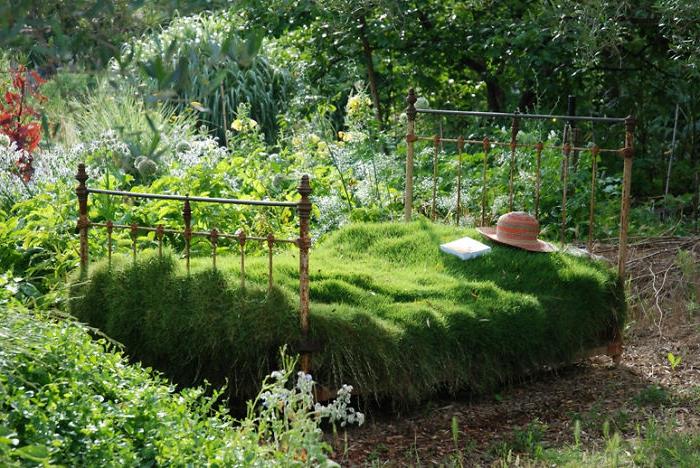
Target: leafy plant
x=207, y=60
x=18, y=117
x=673, y=360
x=652, y=395
x=66, y=399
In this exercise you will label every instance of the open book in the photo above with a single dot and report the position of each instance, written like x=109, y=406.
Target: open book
x=465, y=248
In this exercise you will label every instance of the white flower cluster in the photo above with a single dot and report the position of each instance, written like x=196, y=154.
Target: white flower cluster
x=289, y=403
x=51, y=167
x=339, y=410
x=197, y=150
x=200, y=31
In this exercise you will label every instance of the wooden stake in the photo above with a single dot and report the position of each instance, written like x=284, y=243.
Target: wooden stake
x=628, y=154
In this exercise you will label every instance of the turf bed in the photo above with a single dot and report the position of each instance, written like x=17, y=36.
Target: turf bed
x=396, y=317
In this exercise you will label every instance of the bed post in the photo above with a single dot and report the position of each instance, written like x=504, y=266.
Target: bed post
x=304, y=210
x=410, y=139
x=628, y=154
x=83, y=222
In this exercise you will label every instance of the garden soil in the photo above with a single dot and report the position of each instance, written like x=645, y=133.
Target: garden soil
x=642, y=386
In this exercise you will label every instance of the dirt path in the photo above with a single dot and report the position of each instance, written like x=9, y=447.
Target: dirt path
x=595, y=391
x=544, y=409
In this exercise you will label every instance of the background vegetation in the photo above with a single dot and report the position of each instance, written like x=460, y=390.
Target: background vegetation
x=239, y=99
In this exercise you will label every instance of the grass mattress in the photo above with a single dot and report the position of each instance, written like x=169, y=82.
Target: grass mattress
x=396, y=317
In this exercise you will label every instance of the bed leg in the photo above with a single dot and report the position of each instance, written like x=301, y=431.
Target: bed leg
x=615, y=350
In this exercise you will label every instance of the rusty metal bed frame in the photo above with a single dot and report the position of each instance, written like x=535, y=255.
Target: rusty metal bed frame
x=303, y=242
x=569, y=145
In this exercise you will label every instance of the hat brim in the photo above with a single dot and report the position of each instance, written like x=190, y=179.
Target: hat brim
x=533, y=246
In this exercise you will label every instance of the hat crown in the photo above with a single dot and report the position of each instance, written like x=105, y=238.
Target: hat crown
x=517, y=226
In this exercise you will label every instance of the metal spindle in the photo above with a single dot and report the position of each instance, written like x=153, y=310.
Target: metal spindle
x=134, y=234
x=460, y=150
x=160, y=232
x=110, y=228
x=591, y=215
x=436, y=149
x=487, y=146
x=214, y=239
x=565, y=183
x=187, y=217
x=513, y=145
x=270, y=245
x=538, y=178
x=411, y=113
x=241, y=243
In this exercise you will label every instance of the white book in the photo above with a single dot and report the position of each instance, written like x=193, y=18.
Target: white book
x=465, y=248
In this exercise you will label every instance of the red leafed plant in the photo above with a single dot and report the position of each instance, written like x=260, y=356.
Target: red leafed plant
x=18, y=117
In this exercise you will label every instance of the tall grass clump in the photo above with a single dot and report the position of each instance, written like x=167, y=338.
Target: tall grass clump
x=396, y=317
x=142, y=134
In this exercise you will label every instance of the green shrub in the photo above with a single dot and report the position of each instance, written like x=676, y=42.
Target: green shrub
x=119, y=120
x=396, y=317
x=652, y=395
x=206, y=61
x=66, y=399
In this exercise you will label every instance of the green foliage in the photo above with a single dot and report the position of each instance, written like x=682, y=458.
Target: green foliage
x=83, y=32
x=436, y=322
x=37, y=239
x=497, y=186
x=653, y=395
x=526, y=440
x=137, y=133
x=653, y=445
x=207, y=62
x=66, y=399
x=674, y=360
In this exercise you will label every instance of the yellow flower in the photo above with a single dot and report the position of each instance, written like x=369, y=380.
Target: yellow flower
x=323, y=148
x=237, y=125
x=354, y=104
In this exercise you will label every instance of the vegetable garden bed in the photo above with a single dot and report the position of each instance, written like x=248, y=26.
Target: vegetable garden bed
x=393, y=315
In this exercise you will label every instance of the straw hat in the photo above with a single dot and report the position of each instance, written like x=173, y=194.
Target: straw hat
x=518, y=229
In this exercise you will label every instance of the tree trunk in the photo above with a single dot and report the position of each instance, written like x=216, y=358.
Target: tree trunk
x=494, y=94
x=371, y=75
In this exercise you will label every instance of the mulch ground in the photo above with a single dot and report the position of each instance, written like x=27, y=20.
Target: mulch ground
x=595, y=392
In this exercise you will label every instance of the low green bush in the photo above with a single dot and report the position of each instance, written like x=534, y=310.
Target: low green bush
x=69, y=400
x=395, y=316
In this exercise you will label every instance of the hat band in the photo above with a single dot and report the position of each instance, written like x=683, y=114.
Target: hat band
x=516, y=234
